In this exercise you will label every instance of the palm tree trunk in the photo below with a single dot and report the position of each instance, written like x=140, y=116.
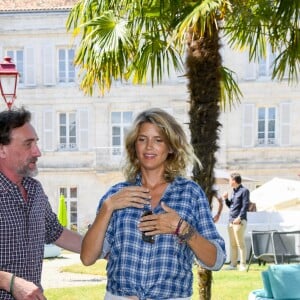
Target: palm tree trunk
x=204, y=283
x=203, y=71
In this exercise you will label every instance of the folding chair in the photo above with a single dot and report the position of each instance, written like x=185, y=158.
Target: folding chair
x=262, y=246
x=286, y=246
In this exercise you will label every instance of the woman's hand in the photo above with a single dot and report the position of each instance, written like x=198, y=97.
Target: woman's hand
x=132, y=196
x=162, y=223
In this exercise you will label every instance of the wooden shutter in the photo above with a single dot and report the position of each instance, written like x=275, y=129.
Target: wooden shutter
x=29, y=67
x=33, y=121
x=48, y=66
x=285, y=114
x=248, y=125
x=48, y=124
x=251, y=71
x=83, y=126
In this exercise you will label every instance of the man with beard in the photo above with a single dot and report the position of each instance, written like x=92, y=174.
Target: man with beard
x=27, y=221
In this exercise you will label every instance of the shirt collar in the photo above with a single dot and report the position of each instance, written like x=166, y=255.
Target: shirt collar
x=237, y=188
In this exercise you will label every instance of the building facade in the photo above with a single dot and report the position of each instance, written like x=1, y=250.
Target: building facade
x=81, y=137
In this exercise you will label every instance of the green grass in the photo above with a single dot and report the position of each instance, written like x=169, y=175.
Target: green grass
x=227, y=285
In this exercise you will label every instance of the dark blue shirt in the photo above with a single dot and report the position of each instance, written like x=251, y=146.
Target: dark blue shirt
x=238, y=203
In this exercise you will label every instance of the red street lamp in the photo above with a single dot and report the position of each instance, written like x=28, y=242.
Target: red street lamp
x=8, y=81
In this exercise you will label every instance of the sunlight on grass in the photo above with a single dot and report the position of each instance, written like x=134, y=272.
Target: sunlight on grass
x=227, y=285
x=98, y=268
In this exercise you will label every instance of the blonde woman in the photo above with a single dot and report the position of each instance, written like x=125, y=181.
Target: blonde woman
x=152, y=226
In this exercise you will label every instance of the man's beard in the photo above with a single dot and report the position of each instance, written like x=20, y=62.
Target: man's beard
x=27, y=172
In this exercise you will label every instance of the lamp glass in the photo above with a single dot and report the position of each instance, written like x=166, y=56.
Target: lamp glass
x=8, y=86
x=8, y=83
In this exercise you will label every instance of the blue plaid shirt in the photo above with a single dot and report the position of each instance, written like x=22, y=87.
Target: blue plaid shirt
x=24, y=229
x=162, y=270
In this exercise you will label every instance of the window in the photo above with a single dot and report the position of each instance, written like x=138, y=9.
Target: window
x=266, y=134
x=67, y=131
x=265, y=65
x=17, y=57
x=66, y=69
x=120, y=123
x=71, y=202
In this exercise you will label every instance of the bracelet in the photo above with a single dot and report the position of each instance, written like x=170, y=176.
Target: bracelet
x=183, y=238
x=12, y=281
x=178, y=227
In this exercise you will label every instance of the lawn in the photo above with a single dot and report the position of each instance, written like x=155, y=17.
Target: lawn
x=227, y=285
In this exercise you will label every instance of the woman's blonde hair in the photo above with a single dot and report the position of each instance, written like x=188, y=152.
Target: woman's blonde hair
x=181, y=152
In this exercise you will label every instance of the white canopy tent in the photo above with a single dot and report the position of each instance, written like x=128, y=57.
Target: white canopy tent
x=277, y=194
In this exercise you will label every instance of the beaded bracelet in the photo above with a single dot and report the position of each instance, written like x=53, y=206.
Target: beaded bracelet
x=183, y=238
x=178, y=227
x=12, y=281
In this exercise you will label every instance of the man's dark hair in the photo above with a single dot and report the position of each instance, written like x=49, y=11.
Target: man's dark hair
x=11, y=119
x=236, y=177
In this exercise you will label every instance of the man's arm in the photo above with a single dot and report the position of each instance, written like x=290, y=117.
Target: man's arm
x=220, y=208
x=5, y=279
x=227, y=201
x=20, y=288
x=245, y=204
x=69, y=240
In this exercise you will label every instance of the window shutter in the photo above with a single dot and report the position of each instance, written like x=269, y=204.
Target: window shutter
x=248, y=125
x=48, y=66
x=83, y=125
x=29, y=67
x=33, y=120
x=250, y=71
x=285, y=124
x=48, y=130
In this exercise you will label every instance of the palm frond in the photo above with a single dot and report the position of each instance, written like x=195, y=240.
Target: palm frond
x=230, y=91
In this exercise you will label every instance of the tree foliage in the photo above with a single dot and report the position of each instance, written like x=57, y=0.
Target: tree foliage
x=141, y=40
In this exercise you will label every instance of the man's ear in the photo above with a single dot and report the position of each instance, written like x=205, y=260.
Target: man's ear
x=2, y=151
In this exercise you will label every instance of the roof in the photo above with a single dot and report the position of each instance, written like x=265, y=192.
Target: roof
x=29, y=5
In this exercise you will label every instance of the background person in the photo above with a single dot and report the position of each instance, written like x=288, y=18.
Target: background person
x=151, y=256
x=220, y=202
x=27, y=221
x=238, y=206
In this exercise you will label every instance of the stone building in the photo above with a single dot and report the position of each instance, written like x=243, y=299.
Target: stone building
x=81, y=137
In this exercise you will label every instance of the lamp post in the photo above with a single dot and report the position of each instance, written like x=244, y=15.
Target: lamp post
x=8, y=81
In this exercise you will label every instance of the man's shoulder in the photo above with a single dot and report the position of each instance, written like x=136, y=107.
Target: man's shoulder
x=244, y=188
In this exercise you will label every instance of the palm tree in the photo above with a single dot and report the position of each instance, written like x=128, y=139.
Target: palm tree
x=134, y=40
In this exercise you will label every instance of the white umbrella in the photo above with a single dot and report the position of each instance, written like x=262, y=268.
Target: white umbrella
x=277, y=194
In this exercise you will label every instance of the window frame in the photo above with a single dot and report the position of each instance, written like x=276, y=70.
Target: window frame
x=267, y=141
x=69, y=146
x=20, y=65
x=70, y=200
x=123, y=125
x=67, y=67
x=266, y=64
